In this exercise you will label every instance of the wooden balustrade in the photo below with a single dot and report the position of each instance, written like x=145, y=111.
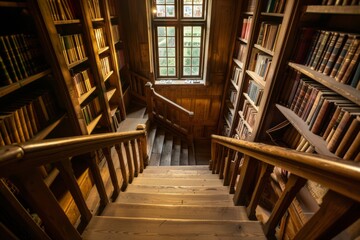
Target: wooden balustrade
x=137, y=85
x=21, y=162
x=341, y=204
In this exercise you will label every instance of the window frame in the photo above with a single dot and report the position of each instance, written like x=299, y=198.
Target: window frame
x=179, y=23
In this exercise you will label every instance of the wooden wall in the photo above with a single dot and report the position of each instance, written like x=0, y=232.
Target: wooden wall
x=205, y=101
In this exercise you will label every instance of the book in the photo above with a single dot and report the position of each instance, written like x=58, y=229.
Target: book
x=341, y=56
x=356, y=77
x=312, y=53
x=320, y=50
x=328, y=51
x=347, y=59
x=335, y=53
x=349, y=137
x=351, y=68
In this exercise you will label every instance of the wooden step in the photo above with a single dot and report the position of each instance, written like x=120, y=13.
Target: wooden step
x=151, y=139
x=184, y=156
x=224, y=200
x=176, y=151
x=157, y=148
x=178, y=181
x=166, y=229
x=180, y=174
x=191, y=156
x=175, y=212
x=170, y=172
x=177, y=189
x=166, y=151
x=194, y=167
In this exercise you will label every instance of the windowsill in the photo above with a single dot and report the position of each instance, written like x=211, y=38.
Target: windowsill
x=179, y=82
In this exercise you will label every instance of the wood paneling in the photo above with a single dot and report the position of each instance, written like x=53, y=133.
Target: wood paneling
x=204, y=101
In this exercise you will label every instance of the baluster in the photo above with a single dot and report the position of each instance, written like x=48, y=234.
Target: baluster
x=292, y=187
x=39, y=196
x=20, y=213
x=130, y=162
x=149, y=101
x=235, y=172
x=67, y=175
x=225, y=164
x=220, y=159
x=228, y=162
x=336, y=213
x=247, y=174
x=95, y=172
x=142, y=145
x=135, y=155
x=122, y=167
x=264, y=175
x=112, y=172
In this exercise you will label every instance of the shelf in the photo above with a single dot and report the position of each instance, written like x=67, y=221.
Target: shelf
x=251, y=102
x=47, y=130
x=93, y=124
x=234, y=84
x=349, y=10
x=315, y=140
x=110, y=93
x=13, y=4
x=74, y=64
x=102, y=50
x=238, y=62
x=113, y=109
x=265, y=50
x=243, y=40
x=108, y=76
x=97, y=20
x=245, y=122
x=272, y=14
x=259, y=80
x=345, y=90
x=83, y=97
x=13, y=87
x=65, y=22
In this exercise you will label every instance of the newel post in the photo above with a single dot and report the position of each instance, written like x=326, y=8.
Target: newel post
x=142, y=142
x=149, y=101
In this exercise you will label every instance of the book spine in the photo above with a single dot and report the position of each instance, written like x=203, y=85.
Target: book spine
x=341, y=57
x=339, y=132
x=347, y=59
x=348, y=137
x=334, y=54
x=320, y=50
x=328, y=52
x=346, y=77
x=332, y=122
x=352, y=152
x=316, y=48
x=356, y=77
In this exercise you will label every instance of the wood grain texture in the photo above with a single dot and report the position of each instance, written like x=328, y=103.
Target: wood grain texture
x=138, y=188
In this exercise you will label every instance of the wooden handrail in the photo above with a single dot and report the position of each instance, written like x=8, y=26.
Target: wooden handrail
x=339, y=175
x=37, y=153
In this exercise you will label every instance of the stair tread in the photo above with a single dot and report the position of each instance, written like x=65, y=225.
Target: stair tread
x=184, y=156
x=179, y=175
x=176, y=199
x=142, y=228
x=176, y=189
x=177, y=181
x=176, y=151
x=193, y=167
x=166, y=151
x=137, y=112
x=175, y=212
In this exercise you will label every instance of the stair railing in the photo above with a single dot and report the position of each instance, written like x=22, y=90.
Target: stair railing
x=137, y=85
x=340, y=206
x=169, y=113
x=21, y=162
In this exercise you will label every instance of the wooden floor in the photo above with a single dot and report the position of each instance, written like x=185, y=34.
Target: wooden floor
x=174, y=202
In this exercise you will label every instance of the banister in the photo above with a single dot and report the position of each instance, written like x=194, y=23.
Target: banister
x=339, y=175
x=173, y=104
x=37, y=153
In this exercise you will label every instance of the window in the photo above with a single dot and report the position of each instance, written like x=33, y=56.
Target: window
x=179, y=30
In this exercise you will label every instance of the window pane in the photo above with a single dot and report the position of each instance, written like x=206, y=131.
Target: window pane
x=170, y=11
x=196, y=52
x=171, y=41
x=162, y=62
x=187, y=41
x=160, y=11
x=187, y=1
x=162, y=41
x=198, y=1
x=187, y=11
x=163, y=71
x=196, y=42
x=171, y=71
x=171, y=62
x=187, y=71
x=196, y=62
x=171, y=31
x=160, y=1
x=187, y=52
x=196, y=31
x=171, y=52
x=198, y=11
x=187, y=61
x=187, y=31
x=161, y=31
x=195, y=71
x=162, y=52
x=169, y=1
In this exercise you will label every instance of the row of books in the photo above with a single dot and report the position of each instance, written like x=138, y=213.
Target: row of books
x=100, y=37
x=72, y=48
x=268, y=35
x=83, y=82
x=242, y=131
x=248, y=113
x=334, y=54
x=20, y=57
x=255, y=92
x=236, y=75
x=241, y=53
x=91, y=110
x=105, y=66
x=61, y=10
x=246, y=28
x=340, y=2
x=94, y=9
x=233, y=96
x=23, y=118
x=275, y=6
x=115, y=32
x=262, y=64
x=328, y=115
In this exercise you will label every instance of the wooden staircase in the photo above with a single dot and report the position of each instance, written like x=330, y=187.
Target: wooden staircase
x=174, y=202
